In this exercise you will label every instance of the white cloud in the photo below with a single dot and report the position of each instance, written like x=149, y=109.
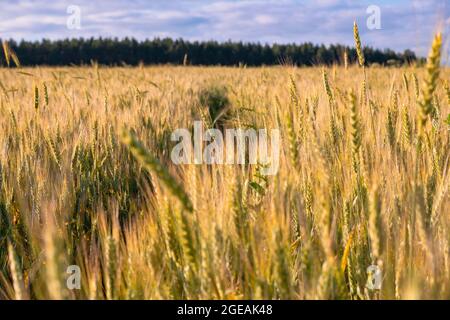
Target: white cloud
x=265, y=19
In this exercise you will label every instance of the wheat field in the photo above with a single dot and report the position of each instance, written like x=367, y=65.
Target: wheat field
x=86, y=179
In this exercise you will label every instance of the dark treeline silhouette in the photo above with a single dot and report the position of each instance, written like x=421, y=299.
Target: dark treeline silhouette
x=127, y=51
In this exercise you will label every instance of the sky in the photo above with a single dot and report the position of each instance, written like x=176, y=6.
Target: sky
x=405, y=24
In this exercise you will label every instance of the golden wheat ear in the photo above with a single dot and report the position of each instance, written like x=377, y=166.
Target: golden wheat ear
x=15, y=58
x=16, y=274
x=10, y=54
x=6, y=51
x=431, y=79
x=358, y=45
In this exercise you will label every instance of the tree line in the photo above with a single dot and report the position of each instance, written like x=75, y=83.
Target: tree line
x=128, y=51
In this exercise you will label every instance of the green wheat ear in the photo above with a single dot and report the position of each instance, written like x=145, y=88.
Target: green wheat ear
x=355, y=129
x=416, y=86
x=359, y=51
x=327, y=87
x=431, y=78
x=44, y=87
x=36, y=97
x=150, y=163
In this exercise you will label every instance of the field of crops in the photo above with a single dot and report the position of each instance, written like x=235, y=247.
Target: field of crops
x=86, y=179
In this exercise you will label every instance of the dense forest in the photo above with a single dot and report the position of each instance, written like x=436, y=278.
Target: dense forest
x=167, y=51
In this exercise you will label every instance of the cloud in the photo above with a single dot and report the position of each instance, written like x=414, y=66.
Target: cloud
x=264, y=19
x=405, y=23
